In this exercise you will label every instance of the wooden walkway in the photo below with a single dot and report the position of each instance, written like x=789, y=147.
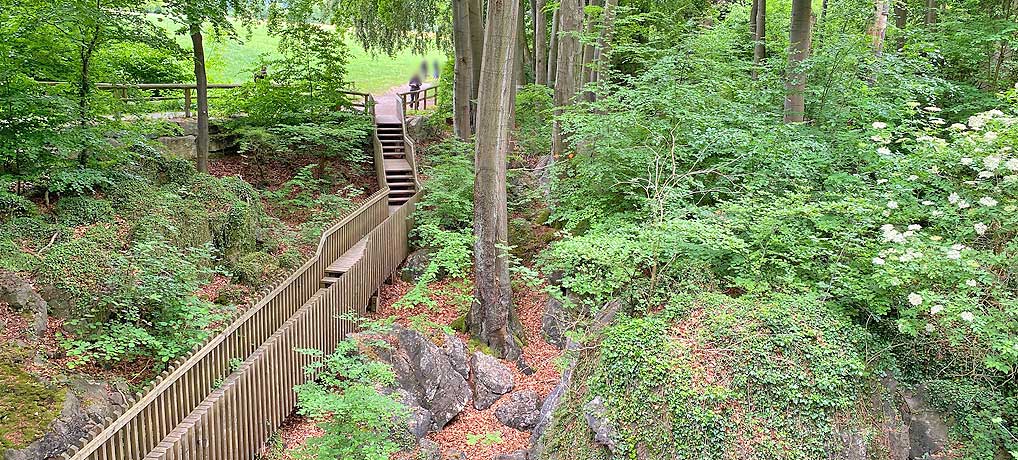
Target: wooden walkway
x=207, y=407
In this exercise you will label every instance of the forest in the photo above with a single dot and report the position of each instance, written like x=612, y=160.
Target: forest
x=508, y=229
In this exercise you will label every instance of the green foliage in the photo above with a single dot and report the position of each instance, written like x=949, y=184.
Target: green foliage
x=359, y=422
x=130, y=62
x=74, y=211
x=253, y=268
x=534, y=106
x=484, y=439
x=12, y=205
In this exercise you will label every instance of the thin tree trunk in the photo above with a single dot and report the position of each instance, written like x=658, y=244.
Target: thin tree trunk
x=553, y=48
x=795, y=81
x=203, y=98
x=523, y=58
x=604, y=42
x=492, y=317
x=931, y=12
x=84, y=88
x=900, y=22
x=476, y=42
x=463, y=72
x=586, y=67
x=540, y=42
x=570, y=56
x=879, y=29
x=760, y=36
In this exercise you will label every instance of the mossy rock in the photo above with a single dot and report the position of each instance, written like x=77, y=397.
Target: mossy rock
x=83, y=210
x=27, y=407
x=255, y=267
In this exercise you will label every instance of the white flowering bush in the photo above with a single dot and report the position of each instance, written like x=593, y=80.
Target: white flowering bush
x=944, y=266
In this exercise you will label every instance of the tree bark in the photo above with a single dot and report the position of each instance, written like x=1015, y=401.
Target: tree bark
x=879, y=29
x=540, y=42
x=523, y=58
x=553, y=48
x=931, y=12
x=752, y=19
x=795, y=81
x=492, y=317
x=476, y=42
x=586, y=67
x=463, y=72
x=759, y=36
x=202, y=83
x=900, y=22
x=567, y=73
x=604, y=41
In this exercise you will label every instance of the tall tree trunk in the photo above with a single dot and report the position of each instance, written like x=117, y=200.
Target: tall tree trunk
x=523, y=58
x=476, y=42
x=492, y=317
x=931, y=12
x=540, y=42
x=760, y=36
x=203, y=98
x=604, y=41
x=795, y=81
x=84, y=88
x=553, y=48
x=587, y=67
x=879, y=29
x=463, y=72
x=900, y=22
x=570, y=56
x=752, y=18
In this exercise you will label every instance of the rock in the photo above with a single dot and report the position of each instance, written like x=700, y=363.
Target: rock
x=456, y=350
x=416, y=264
x=543, y=174
x=521, y=411
x=181, y=146
x=453, y=454
x=438, y=385
x=927, y=431
x=19, y=292
x=595, y=414
x=518, y=455
x=429, y=450
x=71, y=425
x=419, y=422
x=553, y=322
x=491, y=380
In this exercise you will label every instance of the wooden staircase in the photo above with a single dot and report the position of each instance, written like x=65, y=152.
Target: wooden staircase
x=399, y=175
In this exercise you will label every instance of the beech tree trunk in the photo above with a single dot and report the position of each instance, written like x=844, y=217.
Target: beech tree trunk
x=759, y=36
x=553, y=48
x=567, y=70
x=203, y=98
x=931, y=12
x=587, y=66
x=795, y=81
x=523, y=58
x=463, y=73
x=752, y=19
x=604, y=41
x=540, y=42
x=476, y=43
x=492, y=318
x=879, y=29
x=900, y=22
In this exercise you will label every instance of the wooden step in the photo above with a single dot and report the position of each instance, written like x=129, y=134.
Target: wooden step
x=399, y=177
x=403, y=181
x=328, y=281
x=396, y=165
x=401, y=193
x=343, y=264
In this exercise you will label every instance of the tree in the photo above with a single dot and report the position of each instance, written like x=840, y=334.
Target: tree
x=567, y=71
x=193, y=15
x=492, y=318
x=540, y=41
x=476, y=43
x=799, y=37
x=931, y=12
x=759, y=30
x=553, y=49
x=900, y=22
x=463, y=80
x=878, y=30
x=604, y=41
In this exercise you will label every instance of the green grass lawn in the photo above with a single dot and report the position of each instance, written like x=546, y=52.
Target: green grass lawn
x=234, y=61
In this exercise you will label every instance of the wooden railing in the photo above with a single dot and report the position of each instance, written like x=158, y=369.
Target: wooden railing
x=418, y=100
x=408, y=141
x=229, y=395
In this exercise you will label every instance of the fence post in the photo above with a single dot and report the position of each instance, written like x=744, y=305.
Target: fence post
x=187, y=102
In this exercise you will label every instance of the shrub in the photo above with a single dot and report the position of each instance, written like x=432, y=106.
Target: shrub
x=534, y=106
x=75, y=211
x=12, y=205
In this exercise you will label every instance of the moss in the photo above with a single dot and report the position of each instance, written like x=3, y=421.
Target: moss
x=476, y=345
x=27, y=407
x=255, y=267
x=83, y=210
x=459, y=324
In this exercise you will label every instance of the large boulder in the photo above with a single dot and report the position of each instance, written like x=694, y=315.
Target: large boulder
x=554, y=322
x=491, y=380
x=521, y=411
x=595, y=414
x=429, y=379
x=18, y=292
x=185, y=147
x=416, y=264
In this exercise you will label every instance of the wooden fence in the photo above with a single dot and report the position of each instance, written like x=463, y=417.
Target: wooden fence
x=418, y=100
x=227, y=397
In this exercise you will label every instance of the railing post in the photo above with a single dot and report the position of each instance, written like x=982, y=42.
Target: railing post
x=187, y=102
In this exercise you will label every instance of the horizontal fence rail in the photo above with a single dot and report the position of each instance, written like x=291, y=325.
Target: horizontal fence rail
x=418, y=100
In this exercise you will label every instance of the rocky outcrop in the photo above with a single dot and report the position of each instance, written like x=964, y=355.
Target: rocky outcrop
x=18, y=292
x=430, y=378
x=518, y=455
x=521, y=411
x=185, y=147
x=491, y=380
x=596, y=416
x=553, y=322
